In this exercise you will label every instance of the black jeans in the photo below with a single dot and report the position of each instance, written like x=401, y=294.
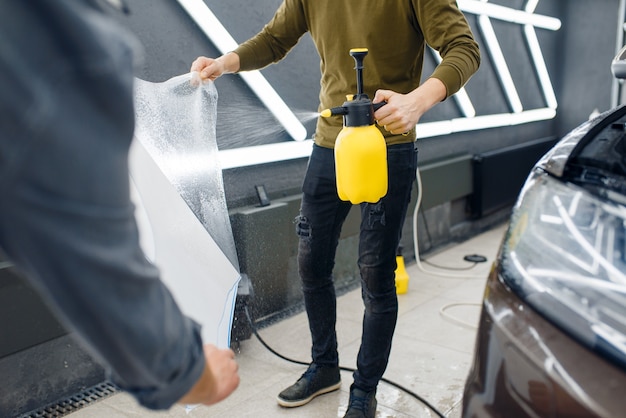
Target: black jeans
x=319, y=225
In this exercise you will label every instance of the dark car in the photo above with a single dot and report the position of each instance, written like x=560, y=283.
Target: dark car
x=552, y=334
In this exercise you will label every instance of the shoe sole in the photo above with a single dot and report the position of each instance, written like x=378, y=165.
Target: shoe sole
x=300, y=402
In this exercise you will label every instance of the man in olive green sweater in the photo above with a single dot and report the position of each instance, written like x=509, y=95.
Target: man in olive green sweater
x=395, y=34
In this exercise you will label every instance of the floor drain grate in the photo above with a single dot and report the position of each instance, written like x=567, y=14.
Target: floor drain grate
x=75, y=402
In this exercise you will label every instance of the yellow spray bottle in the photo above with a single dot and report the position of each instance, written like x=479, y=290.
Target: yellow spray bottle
x=360, y=148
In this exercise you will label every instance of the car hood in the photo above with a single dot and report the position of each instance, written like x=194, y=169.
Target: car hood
x=593, y=155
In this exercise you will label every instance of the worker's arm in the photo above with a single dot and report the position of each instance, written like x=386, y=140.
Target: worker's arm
x=212, y=68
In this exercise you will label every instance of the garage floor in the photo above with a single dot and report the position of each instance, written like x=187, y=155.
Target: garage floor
x=431, y=354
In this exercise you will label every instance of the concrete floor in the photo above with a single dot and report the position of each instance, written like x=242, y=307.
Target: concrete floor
x=431, y=354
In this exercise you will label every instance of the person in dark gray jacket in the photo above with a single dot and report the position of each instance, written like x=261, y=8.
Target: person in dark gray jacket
x=66, y=218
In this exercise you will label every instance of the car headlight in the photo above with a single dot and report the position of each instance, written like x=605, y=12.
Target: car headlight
x=564, y=254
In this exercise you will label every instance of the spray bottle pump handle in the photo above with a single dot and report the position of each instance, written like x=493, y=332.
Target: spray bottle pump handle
x=359, y=54
x=378, y=105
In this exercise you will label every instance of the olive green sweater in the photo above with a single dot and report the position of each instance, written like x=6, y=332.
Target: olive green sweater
x=394, y=31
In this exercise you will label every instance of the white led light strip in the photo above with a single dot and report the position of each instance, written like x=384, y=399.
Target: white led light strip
x=283, y=151
x=508, y=14
x=502, y=69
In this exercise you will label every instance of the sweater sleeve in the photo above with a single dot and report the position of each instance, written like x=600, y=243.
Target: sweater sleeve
x=446, y=30
x=276, y=39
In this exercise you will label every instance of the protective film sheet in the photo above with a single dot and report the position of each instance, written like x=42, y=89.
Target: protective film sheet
x=181, y=207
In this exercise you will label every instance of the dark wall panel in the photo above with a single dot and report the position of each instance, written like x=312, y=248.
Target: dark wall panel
x=587, y=47
x=172, y=40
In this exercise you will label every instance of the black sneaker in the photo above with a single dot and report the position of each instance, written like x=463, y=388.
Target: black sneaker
x=362, y=404
x=317, y=380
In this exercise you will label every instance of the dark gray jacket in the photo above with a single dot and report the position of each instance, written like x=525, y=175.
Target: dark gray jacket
x=66, y=219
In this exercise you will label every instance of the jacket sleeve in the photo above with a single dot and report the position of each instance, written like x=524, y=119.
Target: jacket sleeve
x=66, y=219
x=446, y=30
x=275, y=39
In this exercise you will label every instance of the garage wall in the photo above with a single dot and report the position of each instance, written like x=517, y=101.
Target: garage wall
x=577, y=56
x=580, y=50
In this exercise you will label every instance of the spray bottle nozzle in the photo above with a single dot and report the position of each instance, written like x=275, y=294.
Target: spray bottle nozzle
x=334, y=111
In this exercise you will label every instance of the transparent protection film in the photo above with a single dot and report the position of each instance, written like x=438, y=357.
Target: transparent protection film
x=175, y=122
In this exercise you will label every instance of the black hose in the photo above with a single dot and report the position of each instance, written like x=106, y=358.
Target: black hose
x=396, y=385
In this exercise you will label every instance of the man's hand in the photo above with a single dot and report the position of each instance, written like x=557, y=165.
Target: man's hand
x=403, y=111
x=212, y=68
x=219, y=379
